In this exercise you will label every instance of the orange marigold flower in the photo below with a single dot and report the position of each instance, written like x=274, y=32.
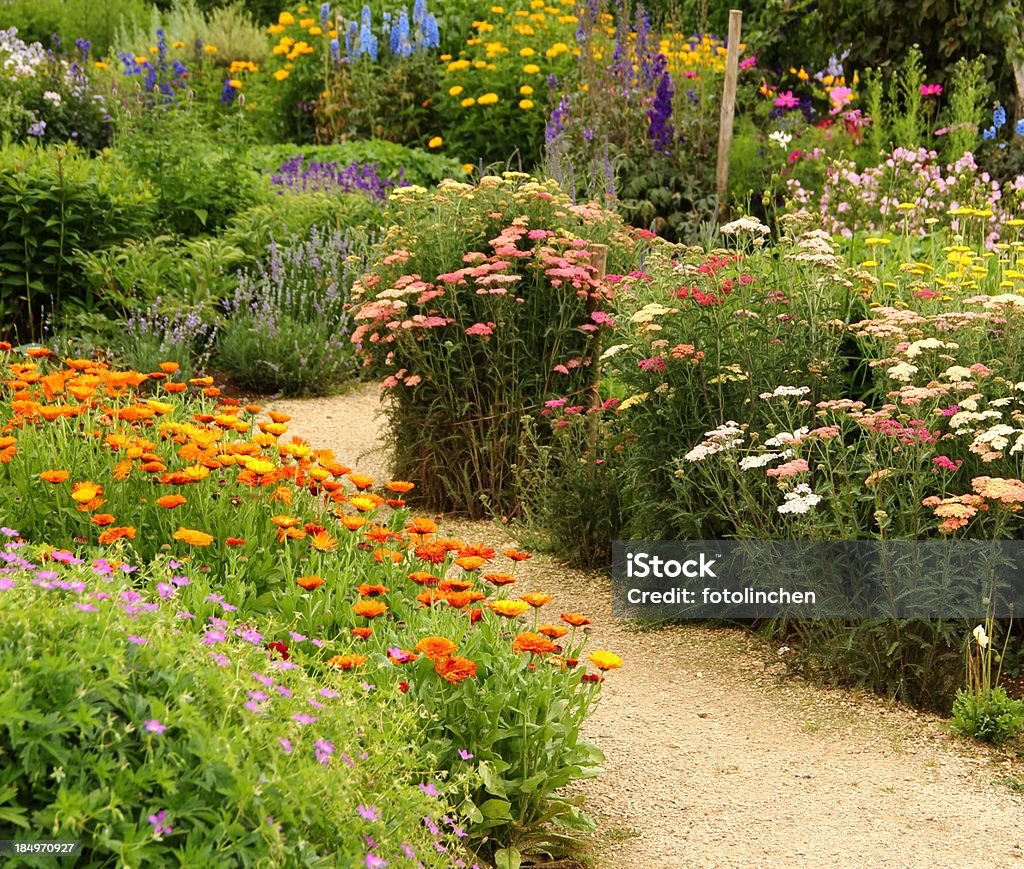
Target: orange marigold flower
x=455, y=669
x=380, y=534
x=429, y=597
x=117, y=533
x=516, y=554
x=346, y=662
x=175, y=387
x=285, y=521
x=508, y=608
x=537, y=598
x=193, y=537
x=362, y=633
x=475, y=550
x=434, y=552
x=435, y=648
x=361, y=481
x=39, y=352
x=421, y=577
x=171, y=501
x=363, y=503
x=169, y=367
x=402, y=487
x=470, y=562
x=309, y=582
x=394, y=502
x=369, y=609
x=191, y=474
x=102, y=519
x=535, y=644
x=324, y=542
x=275, y=416
x=353, y=523
x=86, y=491
x=554, y=631
x=421, y=525
x=284, y=534
x=55, y=476
x=459, y=599
x=604, y=660
x=499, y=578
x=575, y=619
x=475, y=615
x=455, y=585
x=234, y=541
x=122, y=470
x=367, y=590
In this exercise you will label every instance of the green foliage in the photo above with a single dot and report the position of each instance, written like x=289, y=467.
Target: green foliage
x=199, y=182
x=288, y=327
x=38, y=20
x=969, y=91
x=569, y=484
x=55, y=202
x=393, y=161
x=119, y=730
x=997, y=718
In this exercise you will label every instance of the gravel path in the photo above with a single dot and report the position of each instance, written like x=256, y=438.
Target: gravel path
x=714, y=759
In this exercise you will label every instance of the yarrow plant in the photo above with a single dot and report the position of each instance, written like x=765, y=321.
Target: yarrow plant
x=482, y=302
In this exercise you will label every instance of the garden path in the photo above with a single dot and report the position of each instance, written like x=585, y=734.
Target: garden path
x=715, y=759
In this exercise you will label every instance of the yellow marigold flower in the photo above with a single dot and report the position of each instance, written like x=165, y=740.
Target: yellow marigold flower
x=455, y=90
x=488, y=99
x=526, y=90
x=286, y=18
x=467, y=102
x=210, y=49
x=281, y=74
x=100, y=64
x=468, y=168
x=458, y=65
x=235, y=83
x=275, y=29
x=316, y=31
x=177, y=44
x=605, y=660
x=531, y=69
x=192, y=537
x=307, y=22
x=497, y=10
x=445, y=58
x=508, y=608
x=141, y=58
x=435, y=142
x=480, y=64
x=526, y=105
x=526, y=52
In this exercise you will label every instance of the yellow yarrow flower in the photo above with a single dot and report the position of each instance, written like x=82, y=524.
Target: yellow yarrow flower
x=210, y=49
x=468, y=102
x=281, y=74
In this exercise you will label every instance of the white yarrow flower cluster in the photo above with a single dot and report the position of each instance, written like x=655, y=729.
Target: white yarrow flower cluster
x=800, y=500
x=788, y=437
x=725, y=437
x=781, y=391
x=748, y=463
x=745, y=224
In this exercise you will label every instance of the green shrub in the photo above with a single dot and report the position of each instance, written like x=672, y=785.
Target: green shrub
x=38, y=20
x=55, y=202
x=996, y=718
x=481, y=303
x=126, y=726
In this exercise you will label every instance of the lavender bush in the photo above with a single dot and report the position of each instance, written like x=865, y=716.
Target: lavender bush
x=166, y=333
x=287, y=327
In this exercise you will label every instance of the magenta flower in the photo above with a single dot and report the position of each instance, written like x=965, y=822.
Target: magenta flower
x=303, y=718
x=428, y=788
x=159, y=827
x=369, y=813
x=153, y=725
x=931, y=90
x=786, y=100
x=285, y=744
x=375, y=862
x=465, y=755
x=138, y=641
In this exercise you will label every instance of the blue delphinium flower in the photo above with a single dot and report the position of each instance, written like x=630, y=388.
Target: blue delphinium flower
x=227, y=95
x=988, y=134
x=431, y=32
x=335, y=50
x=1019, y=128
x=325, y=13
x=998, y=117
x=367, y=41
x=662, y=131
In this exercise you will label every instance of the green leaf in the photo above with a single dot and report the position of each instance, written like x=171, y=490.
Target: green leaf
x=507, y=858
x=496, y=810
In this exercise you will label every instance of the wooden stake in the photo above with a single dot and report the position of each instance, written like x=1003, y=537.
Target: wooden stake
x=732, y=66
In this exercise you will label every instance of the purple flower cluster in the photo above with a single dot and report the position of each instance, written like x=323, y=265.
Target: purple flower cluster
x=296, y=176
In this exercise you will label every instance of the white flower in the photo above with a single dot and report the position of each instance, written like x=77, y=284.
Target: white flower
x=781, y=139
x=981, y=636
x=785, y=390
x=745, y=224
x=725, y=437
x=918, y=347
x=788, y=437
x=902, y=371
x=800, y=500
x=52, y=97
x=759, y=461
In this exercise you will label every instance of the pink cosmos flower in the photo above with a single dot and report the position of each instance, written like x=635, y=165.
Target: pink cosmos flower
x=786, y=100
x=931, y=90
